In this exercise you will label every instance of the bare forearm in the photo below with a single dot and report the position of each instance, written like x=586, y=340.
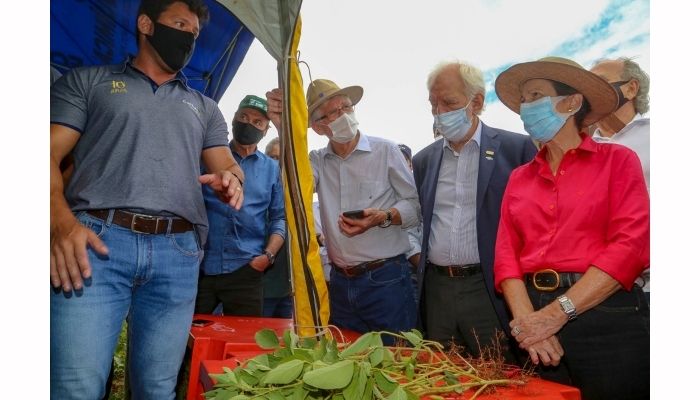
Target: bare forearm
x=516, y=296
x=59, y=209
x=274, y=243
x=592, y=289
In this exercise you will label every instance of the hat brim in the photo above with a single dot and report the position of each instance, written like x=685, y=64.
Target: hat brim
x=353, y=92
x=600, y=95
x=256, y=108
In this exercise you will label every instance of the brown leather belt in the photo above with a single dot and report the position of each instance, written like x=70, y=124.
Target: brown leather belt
x=549, y=280
x=141, y=223
x=359, y=269
x=455, y=271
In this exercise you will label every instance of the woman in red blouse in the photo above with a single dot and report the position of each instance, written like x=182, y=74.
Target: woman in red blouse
x=574, y=236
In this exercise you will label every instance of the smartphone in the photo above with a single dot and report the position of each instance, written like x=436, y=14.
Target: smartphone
x=355, y=214
x=201, y=322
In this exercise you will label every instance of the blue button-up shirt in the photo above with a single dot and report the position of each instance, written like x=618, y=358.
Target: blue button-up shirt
x=236, y=237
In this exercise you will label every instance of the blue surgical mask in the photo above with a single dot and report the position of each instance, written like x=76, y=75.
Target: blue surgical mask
x=541, y=119
x=453, y=125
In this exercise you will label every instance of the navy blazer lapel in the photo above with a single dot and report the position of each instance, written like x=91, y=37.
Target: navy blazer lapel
x=488, y=152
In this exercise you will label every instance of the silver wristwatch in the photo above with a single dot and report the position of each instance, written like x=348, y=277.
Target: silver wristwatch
x=568, y=307
x=387, y=221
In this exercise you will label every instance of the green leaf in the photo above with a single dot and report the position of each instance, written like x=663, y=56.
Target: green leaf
x=303, y=354
x=275, y=396
x=413, y=338
x=376, y=356
x=411, y=395
x=308, y=343
x=267, y=339
x=299, y=393
x=260, y=362
x=369, y=388
x=361, y=344
x=384, y=382
x=337, y=396
x=334, y=376
x=398, y=394
x=246, y=380
x=417, y=333
x=290, y=339
x=450, y=379
x=319, y=352
x=357, y=386
x=331, y=355
x=410, y=371
x=388, y=357
x=283, y=373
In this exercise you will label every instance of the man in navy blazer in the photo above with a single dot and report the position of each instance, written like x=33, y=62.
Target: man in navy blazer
x=460, y=180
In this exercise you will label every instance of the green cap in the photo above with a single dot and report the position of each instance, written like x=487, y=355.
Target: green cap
x=251, y=101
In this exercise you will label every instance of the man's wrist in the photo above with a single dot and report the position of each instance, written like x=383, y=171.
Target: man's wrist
x=386, y=222
x=270, y=256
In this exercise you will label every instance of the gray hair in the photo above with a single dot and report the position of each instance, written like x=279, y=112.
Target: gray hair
x=632, y=70
x=471, y=76
x=271, y=144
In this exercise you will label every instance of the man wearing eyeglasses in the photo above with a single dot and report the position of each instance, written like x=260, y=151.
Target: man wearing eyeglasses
x=367, y=200
x=626, y=126
x=243, y=244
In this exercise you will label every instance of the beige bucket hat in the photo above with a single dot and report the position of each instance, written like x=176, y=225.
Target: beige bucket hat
x=321, y=90
x=601, y=96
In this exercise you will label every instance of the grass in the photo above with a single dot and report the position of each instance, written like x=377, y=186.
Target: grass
x=119, y=365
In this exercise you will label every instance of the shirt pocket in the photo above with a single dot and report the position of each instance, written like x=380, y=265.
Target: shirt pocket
x=359, y=196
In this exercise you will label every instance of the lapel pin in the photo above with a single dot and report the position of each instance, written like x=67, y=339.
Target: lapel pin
x=490, y=153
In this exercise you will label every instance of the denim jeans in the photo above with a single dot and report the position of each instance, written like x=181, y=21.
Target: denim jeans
x=278, y=307
x=378, y=300
x=149, y=279
x=606, y=349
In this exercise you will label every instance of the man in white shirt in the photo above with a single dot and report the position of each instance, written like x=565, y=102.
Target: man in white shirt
x=626, y=126
x=370, y=281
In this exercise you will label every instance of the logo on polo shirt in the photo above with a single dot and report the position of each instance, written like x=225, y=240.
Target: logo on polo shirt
x=192, y=106
x=118, y=87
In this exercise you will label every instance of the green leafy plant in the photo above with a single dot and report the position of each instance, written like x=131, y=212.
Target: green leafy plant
x=309, y=369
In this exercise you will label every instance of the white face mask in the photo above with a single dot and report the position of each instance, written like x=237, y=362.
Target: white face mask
x=344, y=128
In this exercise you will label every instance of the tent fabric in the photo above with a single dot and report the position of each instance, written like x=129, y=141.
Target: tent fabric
x=266, y=18
x=98, y=32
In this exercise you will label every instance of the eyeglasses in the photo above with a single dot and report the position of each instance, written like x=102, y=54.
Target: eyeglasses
x=344, y=109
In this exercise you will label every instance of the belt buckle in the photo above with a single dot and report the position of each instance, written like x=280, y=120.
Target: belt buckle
x=146, y=217
x=545, y=288
x=449, y=272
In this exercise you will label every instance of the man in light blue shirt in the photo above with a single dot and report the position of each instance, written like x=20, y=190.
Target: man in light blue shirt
x=243, y=243
x=367, y=201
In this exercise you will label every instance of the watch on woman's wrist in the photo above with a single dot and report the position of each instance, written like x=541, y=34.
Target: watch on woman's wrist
x=568, y=307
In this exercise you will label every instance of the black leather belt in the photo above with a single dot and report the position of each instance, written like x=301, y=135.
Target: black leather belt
x=549, y=280
x=455, y=271
x=141, y=223
x=359, y=269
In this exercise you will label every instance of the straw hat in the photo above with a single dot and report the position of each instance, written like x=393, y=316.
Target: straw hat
x=321, y=90
x=601, y=96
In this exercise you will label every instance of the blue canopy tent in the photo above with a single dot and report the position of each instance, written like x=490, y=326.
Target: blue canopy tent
x=96, y=32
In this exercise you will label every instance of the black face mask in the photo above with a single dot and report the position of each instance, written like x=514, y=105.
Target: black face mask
x=621, y=100
x=174, y=46
x=245, y=133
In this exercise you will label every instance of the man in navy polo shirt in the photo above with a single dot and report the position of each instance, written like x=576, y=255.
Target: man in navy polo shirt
x=243, y=244
x=126, y=236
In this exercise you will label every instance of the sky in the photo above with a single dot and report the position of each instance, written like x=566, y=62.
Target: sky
x=389, y=48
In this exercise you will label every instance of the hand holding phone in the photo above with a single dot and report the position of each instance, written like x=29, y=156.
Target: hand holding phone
x=355, y=214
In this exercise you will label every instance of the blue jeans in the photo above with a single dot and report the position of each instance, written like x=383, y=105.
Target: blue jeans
x=277, y=307
x=149, y=279
x=378, y=300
